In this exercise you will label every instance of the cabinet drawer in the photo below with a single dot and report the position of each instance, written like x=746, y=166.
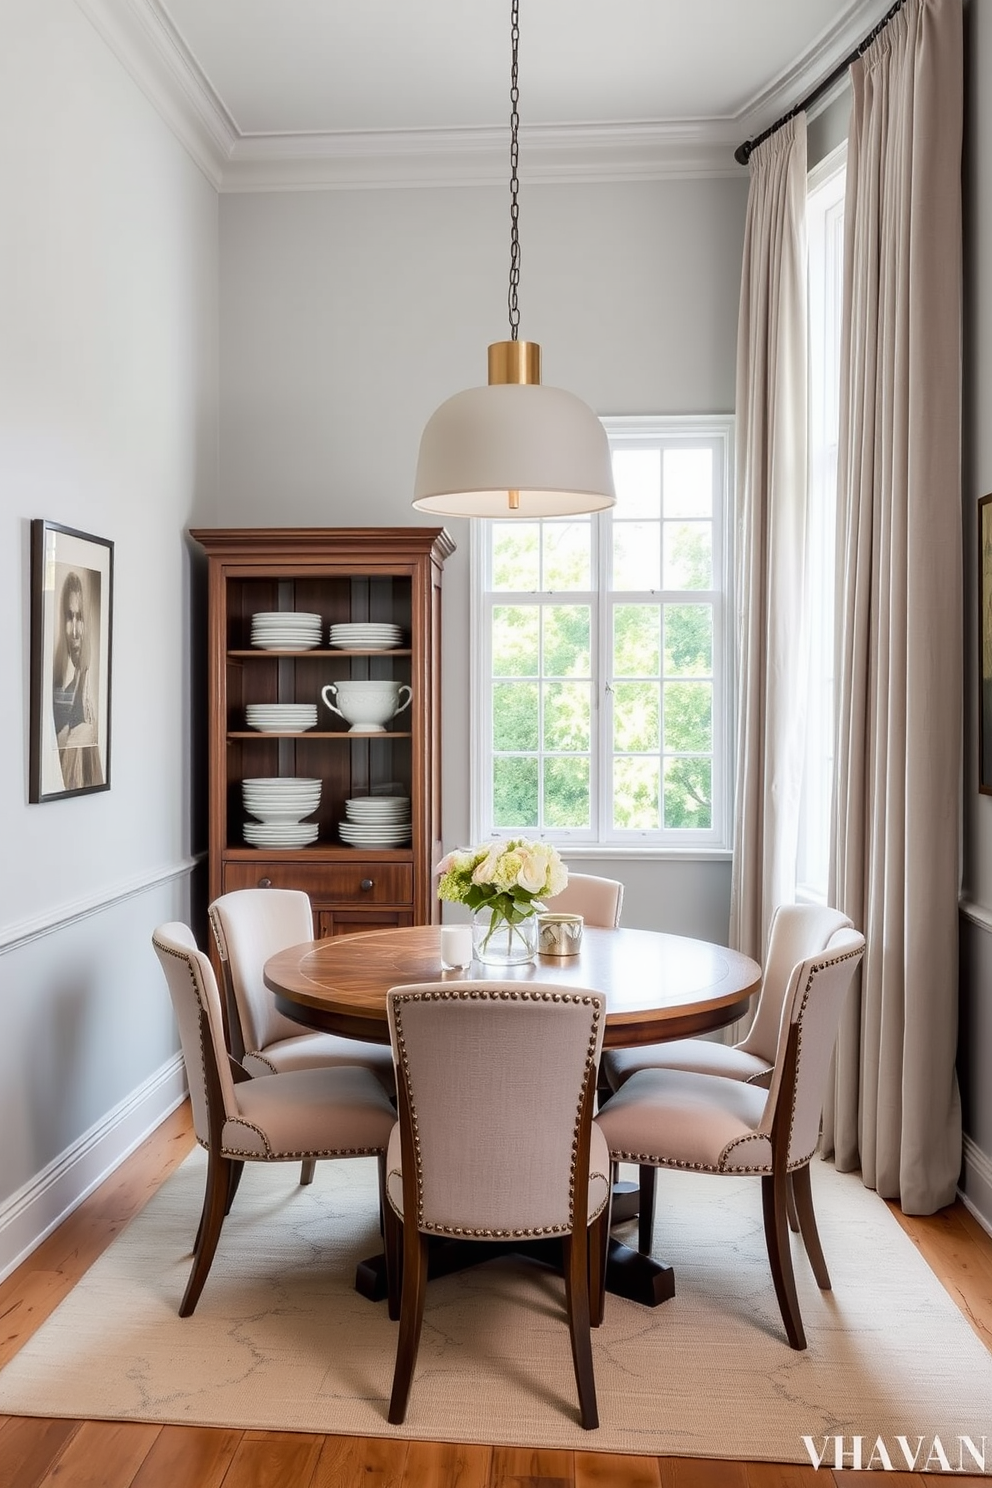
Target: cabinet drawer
x=329, y=883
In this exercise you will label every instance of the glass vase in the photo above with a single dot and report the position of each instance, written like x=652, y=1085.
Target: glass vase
x=498, y=943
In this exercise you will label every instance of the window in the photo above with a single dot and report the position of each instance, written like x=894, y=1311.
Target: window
x=601, y=688
x=825, y=233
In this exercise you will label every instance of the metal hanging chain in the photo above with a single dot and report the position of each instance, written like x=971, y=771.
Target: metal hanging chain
x=514, y=182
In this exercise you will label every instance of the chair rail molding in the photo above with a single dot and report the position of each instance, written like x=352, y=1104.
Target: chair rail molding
x=30, y=1215
x=976, y=913
x=977, y=1177
x=12, y=937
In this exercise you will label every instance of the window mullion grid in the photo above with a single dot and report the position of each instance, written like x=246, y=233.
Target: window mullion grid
x=602, y=605
x=602, y=741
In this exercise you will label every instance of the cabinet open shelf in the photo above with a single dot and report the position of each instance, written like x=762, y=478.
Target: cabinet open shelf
x=315, y=734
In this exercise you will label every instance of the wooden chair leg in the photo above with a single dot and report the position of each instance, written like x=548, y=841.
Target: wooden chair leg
x=774, y=1205
x=412, y=1297
x=234, y=1178
x=803, y=1192
x=392, y=1245
x=790, y=1200
x=599, y=1248
x=307, y=1169
x=645, y=1218
x=576, y=1258
x=211, y=1221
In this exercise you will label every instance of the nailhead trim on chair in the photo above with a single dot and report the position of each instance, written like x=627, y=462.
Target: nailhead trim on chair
x=503, y=994
x=179, y=956
x=648, y=1159
x=257, y=1054
x=270, y=1156
x=219, y=939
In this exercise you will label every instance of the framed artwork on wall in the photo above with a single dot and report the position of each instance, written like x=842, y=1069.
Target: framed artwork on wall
x=985, y=645
x=72, y=585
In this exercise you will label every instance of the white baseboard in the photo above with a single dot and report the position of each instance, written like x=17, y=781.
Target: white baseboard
x=31, y=1214
x=975, y=1187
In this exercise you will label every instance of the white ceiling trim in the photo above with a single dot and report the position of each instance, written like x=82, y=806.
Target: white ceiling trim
x=144, y=40
x=145, y=43
x=473, y=157
x=785, y=91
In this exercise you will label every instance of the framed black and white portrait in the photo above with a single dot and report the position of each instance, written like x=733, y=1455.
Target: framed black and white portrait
x=72, y=582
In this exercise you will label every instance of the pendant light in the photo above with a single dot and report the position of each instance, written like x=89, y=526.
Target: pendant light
x=514, y=448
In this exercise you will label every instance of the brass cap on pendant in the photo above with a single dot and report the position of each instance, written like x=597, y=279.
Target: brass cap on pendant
x=514, y=361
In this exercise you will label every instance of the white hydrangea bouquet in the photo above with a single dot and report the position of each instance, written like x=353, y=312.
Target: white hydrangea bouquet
x=507, y=879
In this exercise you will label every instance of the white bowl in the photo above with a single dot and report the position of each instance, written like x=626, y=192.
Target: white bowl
x=366, y=705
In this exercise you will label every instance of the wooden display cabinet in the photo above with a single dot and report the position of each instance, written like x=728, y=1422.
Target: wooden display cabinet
x=343, y=574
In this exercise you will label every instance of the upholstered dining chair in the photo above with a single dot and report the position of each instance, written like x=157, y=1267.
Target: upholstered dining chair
x=249, y=926
x=796, y=931
x=708, y=1124
x=302, y=1114
x=496, y=1141
x=598, y=900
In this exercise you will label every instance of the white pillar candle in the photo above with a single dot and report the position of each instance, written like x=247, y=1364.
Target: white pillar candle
x=456, y=947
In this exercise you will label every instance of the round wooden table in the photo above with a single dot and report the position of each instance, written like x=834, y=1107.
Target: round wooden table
x=657, y=987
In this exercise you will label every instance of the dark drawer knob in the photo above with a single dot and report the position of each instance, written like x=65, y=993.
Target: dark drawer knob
x=367, y=883
x=265, y=883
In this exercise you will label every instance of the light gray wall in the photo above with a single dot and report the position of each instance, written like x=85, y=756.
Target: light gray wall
x=108, y=379
x=975, y=1042
x=347, y=317
x=829, y=128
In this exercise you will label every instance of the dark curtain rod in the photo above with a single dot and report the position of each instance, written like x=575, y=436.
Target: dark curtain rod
x=743, y=152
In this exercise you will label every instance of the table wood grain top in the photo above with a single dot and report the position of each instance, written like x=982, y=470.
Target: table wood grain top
x=657, y=986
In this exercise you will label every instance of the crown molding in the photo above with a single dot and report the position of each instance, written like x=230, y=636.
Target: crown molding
x=784, y=92
x=576, y=153
x=142, y=37
x=144, y=41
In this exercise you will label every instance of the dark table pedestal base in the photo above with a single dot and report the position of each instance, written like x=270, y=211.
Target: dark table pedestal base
x=637, y=1277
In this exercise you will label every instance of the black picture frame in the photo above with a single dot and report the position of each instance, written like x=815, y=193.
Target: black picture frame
x=72, y=601
x=985, y=645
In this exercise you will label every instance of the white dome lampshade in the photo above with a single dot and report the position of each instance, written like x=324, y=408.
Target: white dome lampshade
x=514, y=448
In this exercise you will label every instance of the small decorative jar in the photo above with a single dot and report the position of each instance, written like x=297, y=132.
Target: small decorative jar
x=559, y=934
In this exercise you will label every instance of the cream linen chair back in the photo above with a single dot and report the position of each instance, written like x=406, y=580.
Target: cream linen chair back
x=496, y=1078
x=598, y=900
x=811, y=1016
x=249, y=926
x=496, y=1141
x=196, y=1002
x=796, y=932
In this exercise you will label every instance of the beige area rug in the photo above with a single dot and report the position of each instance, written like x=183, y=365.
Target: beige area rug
x=281, y=1340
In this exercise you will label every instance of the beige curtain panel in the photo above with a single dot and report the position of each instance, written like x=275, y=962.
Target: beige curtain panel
x=771, y=464
x=895, y=1111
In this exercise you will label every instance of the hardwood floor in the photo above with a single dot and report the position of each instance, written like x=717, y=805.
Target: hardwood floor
x=55, y=1453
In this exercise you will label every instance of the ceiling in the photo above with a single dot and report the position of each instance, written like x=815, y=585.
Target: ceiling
x=310, y=92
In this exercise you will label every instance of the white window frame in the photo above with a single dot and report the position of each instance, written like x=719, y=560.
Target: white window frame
x=598, y=841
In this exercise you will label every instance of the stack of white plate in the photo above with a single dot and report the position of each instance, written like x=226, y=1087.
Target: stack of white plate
x=281, y=718
x=280, y=803
x=376, y=821
x=272, y=835
x=366, y=636
x=285, y=630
